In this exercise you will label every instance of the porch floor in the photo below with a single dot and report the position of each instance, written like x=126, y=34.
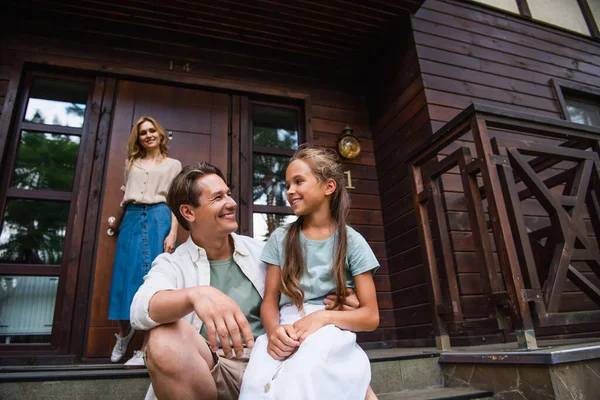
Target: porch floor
x=548, y=352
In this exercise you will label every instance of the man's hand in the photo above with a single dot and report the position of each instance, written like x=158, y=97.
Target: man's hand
x=310, y=324
x=283, y=341
x=351, y=303
x=221, y=315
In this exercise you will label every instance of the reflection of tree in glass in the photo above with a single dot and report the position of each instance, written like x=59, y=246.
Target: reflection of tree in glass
x=269, y=172
x=45, y=161
x=576, y=115
x=76, y=109
x=38, y=118
x=584, y=113
x=271, y=136
x=33, y=230
x=36, y=231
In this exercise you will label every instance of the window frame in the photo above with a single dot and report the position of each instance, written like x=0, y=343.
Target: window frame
x=563, y=89
x=275, y=151
x=59, y=342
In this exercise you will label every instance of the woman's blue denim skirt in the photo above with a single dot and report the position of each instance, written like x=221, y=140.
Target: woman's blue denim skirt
x=141, y=236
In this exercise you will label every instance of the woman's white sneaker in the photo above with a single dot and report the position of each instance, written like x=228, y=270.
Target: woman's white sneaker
x=121, y=346
x=137, y=361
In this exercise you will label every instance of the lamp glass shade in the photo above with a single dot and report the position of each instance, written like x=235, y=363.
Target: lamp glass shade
x=349, y=147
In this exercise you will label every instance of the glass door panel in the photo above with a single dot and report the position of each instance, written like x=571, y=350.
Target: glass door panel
x=27, y=308
x=275, y=137
x=36, y=204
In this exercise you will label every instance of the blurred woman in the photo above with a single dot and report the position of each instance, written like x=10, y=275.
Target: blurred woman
x=146, y=225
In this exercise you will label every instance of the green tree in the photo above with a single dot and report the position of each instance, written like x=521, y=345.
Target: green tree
x=269, y=171
x=33, y=231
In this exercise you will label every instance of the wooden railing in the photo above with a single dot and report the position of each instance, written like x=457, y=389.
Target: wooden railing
x=513, y=199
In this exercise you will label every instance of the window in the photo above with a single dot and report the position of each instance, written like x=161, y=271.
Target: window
x=595, y=11
x=275, y=137
x=581, y=16
x=578, y=103
x=564, y=13
x=583, y=111
x=35, y=205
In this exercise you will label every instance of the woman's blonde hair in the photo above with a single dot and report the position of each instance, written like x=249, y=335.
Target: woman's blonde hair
x=135, y=149
x=324, y=164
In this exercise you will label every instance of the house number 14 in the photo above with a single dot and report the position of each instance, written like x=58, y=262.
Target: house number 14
x=186, y=67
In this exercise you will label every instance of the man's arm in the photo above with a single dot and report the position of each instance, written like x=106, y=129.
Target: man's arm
x=160, y=301
x=219, y=313
x=171, y=305
x=161, y=277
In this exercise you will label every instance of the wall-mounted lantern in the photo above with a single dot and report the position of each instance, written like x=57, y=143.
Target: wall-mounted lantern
x=348, y=145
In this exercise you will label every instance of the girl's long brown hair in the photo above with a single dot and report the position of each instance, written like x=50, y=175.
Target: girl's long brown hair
x=325, y=165
x=135, y=149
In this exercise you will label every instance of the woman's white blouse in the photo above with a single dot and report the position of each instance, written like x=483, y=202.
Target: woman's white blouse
x=149, y=185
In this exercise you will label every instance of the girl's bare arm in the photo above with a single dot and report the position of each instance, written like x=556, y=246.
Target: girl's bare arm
x=364, y=318
x=269, y=309
x=282, y=339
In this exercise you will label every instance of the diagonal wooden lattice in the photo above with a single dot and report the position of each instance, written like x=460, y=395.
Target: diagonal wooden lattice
x=501, y=158
x=566, y=240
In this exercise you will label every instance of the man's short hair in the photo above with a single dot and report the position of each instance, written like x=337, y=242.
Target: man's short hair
x=184, y=188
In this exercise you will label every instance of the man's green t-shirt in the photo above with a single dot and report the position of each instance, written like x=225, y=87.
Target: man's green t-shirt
x=227, y=276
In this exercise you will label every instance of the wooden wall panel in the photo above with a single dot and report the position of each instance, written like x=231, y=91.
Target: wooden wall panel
x=400, y=121
x=328, y=122
x=9, y=65
x=470, y=53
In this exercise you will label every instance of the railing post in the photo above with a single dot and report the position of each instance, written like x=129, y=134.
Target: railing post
x=420, y=195
x=505, y=245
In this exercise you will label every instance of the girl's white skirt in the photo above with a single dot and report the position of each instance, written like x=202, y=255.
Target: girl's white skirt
x=327, y=365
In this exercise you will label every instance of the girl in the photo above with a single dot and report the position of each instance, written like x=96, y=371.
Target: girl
x=147, y=226
x=309, y=352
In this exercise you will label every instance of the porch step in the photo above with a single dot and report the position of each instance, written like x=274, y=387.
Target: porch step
x=69, y=373
x=396, y=374
x=438, y=394
x=397, y=370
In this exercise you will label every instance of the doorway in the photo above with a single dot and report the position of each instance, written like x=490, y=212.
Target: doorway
x=197, y=125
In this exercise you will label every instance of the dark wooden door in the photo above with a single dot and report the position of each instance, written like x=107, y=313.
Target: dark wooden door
x=197, y=122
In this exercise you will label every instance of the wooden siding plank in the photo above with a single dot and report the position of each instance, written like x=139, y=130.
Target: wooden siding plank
x=521, y=26
x=452, y=16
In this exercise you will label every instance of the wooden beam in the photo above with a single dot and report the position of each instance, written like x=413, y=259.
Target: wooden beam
x=590, y=20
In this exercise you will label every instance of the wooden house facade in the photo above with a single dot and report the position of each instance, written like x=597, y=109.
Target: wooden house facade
x=75, y=75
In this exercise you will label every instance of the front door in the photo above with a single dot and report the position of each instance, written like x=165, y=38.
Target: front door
x=197, y=124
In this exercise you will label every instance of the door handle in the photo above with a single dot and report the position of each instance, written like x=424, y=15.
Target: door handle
x=111, y=231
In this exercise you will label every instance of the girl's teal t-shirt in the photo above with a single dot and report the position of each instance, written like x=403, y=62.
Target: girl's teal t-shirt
x=318, y=255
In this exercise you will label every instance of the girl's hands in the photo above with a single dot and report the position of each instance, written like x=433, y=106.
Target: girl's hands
x=310, y=324
x=169, y=243
x=283, y=341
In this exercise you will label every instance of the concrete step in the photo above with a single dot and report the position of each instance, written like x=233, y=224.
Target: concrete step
x=438, y=394
x=403, y=372
x=85, y=389
x=393, y=370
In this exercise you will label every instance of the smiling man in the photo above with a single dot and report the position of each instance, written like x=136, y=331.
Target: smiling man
x=211, y=286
